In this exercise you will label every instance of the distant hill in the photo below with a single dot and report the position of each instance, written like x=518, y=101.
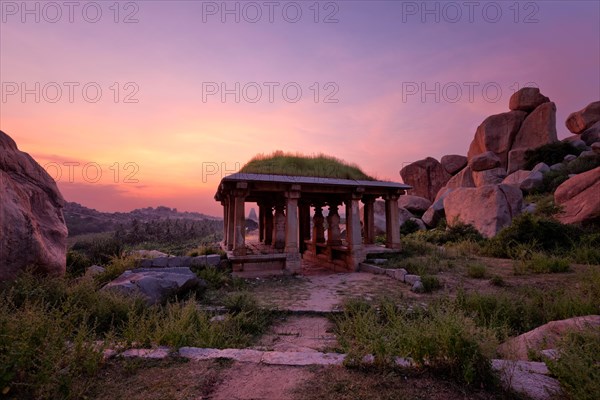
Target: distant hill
x=81, y=220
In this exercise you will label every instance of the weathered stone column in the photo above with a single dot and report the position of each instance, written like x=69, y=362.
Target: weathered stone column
x=225, y=204
x=318, y=235
x=392, y=224
x=239, y=244
x=279, y=228
x=292, y=250
x=333, y=226
x=353, y=234
x=230, y=221
x=261, y=222
x=304, y=221
x=369, y=219
x=268, y=225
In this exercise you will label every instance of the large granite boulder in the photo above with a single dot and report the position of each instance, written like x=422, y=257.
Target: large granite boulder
x=155, y=285
x=516, y=159
x=538, y=129
x=426, y=177
x=484, y=161
x=489, y=176
x=496, y=133
x=379, y=216
x=453, y=163
x=525, y=180
x=579, y=121
x=463, y=179
x=488, y=208
x=414, y=204
x=435, y=213
x=32, y=226
x=592, y=134
x=579, y=198
x=527, y=99
x=545, y=337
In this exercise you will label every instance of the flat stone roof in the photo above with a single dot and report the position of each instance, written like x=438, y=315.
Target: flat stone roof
x=312, y=180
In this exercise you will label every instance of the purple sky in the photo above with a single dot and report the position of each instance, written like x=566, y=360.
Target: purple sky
x=164, y=148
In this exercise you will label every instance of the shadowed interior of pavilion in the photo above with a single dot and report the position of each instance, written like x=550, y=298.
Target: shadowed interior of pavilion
x=292, y=222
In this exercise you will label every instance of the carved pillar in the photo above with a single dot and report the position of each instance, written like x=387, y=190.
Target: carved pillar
x=369, y=219
x=292, y=263
x=230, y=221
x=225, y=204
x=279, y=228
x=392, y=224
x=261, y=222
x=353, y=234
x=239, y=243
x=318, y=235
x=268, y=224
x=304, y=221
x=333, y=226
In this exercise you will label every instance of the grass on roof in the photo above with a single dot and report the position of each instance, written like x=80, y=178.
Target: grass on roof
x=322, y=166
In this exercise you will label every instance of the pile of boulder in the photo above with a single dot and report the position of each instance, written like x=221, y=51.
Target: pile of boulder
x=485, y=188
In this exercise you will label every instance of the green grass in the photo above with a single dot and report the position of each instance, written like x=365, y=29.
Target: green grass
x=53, y=330
x=577, y=368
x=476, y=270
x=441, y=338
x=323, y=166
x=539, y=263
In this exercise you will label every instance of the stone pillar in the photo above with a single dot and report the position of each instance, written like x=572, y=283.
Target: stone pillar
x=392, y=225
x=225, y=204
x=279, y=228
x=304, y=210
x=261, y=222
x=369, y=219
x=353, y=234
x=333, y=226
x=293, y=265
x=268, y=225
x=239, y=243
x=230, y=222
x=318, y=235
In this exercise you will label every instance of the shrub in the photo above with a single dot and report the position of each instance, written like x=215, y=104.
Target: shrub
x=539, y=263
x=456, y=233
x=409, y=227
x=476, y=270
x=77, y=263
x=497, y=281
x=551, y=153
x=430, y=283
x=538, y=233
x=215, y=278
x=116, y=267
x=577, y=368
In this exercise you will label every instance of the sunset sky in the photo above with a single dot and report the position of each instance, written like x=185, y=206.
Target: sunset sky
x=160, y=135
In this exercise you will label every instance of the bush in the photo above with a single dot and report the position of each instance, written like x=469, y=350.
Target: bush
x=476, y=270
x=539, y=263
x=551, y=153
x=409, y=227
x=536, y=233
x=497, y=281
x=577, y=368
x=430, y=283
x=77, y=263
x=457, y=233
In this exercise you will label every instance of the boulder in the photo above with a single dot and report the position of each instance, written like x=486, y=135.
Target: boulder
x=516, y=159
x=453, y=163
x=426, y=177
x=541, y=167
x=532, y=182
x=488, y=208
x=435, y=213
x=587, y=153
x=539, y=128
x=579, y=121
x=32, y=225
x=527, y=99
x=592, y=134
x=155, y=285
x=489, y=177
x=596, y=147
x=463, y=179
x=516, y=178
x=570, y=157
x=545, y=337
x=579, y=198
x=497, y=133
x=420, y=224
x=578, y=144
x=484, y=161
x=414, y=204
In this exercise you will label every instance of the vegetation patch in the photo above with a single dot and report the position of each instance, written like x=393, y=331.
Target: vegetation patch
x=551, y=153
x=295, y=164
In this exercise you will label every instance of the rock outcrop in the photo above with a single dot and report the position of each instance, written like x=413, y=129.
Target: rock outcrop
x=488, y=208
x=579, y=198
x=527, y=99
x=538, y=129
x=453, y=163
x=32, y=226
x=155, y=285
x=426, y=177
x=579, y=121
x=414, y=204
